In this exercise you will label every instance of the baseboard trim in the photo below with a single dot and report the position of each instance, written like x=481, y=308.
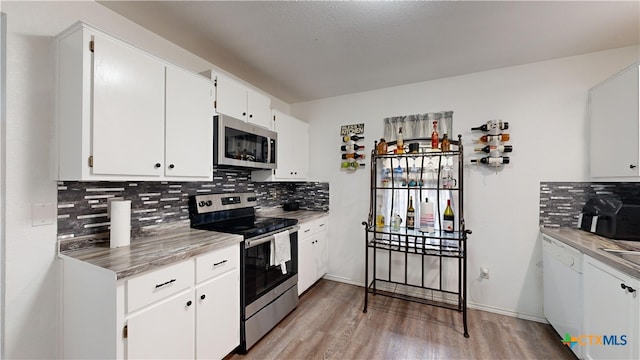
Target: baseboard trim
x=476, y=306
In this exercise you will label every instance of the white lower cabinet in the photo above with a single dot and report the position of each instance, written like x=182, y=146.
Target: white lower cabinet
x=313, y=256
x=611, y=313
x=164, y=331
x=181, y=311
x=218, y=316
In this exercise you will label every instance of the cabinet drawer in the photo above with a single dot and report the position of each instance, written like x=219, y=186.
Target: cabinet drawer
x=217, y=262
x=306, y=229
x=321, y=224
x=153, y=286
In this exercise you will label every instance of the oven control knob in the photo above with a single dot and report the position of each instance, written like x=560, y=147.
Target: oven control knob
x=202, y=203
x=209, y=203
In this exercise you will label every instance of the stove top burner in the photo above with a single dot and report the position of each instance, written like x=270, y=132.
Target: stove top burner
x=250, y=227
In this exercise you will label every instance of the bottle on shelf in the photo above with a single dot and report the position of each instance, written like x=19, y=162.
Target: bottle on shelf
x=448, y=218
x=351, y=147
x=446, y=144
x=427, y=216
x=492, y=160
x=396, y=220
x=411, y=215
x=435, y=139
x=353, y=156
x=491, y=125
x=490, y=138
x=382, y=147
x=380, y=217
x=346, y=138
x=400, y=143
x=490, y=148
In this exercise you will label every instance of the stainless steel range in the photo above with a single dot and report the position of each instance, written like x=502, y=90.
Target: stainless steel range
x=268, y=292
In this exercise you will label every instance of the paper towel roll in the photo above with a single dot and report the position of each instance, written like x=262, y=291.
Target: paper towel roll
x=120, y=223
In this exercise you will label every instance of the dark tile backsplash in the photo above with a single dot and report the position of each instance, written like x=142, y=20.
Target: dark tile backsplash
x=562, y=202
x=82, y=206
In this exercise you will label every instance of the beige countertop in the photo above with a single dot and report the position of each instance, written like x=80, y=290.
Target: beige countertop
x=591, y=244
x=154, y=251
x=165, y=247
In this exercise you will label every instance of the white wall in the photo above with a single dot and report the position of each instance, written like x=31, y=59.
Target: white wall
x=30, y=320
x=546, y=106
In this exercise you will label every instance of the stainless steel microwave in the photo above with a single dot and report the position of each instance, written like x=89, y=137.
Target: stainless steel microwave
x=242, y=144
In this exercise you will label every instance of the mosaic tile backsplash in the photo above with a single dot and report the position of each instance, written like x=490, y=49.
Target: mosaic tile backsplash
x=82, y=206
x=562, y=202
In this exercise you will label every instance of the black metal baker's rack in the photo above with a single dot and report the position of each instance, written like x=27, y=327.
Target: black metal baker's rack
x=387, y=242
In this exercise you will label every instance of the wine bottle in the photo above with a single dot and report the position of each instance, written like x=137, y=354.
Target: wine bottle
x=448, y=218
x=435, y=139
x=411, y=215
x=490, y=138
x=490, y=148
x=346, y=138
x=351, y=147
x=400, y=143
x=353, y=156
x=492, y=124
x=446, y=144
x=492, y=160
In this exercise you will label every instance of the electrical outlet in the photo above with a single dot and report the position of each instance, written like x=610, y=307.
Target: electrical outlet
x=484, y=272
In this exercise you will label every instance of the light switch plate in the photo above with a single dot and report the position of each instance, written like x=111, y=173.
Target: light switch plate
x=42, y=214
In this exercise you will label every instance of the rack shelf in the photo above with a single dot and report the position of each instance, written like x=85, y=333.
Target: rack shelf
x=387, y=274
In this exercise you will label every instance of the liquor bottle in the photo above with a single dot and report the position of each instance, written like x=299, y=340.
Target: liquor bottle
x=353, y=156
x=492, y=160
x=346, y=138
x=448, y=218
x=434, y=136
x=492, y=124
x=490, y=138
x=427, y=218
x=490, y=148
x=411, y=215
x=400, y=143
x=446, y=144
x=351, y=147
x=382, y=147
x=380, y=217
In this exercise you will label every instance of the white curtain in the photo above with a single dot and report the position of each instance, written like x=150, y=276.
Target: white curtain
x=413, y=126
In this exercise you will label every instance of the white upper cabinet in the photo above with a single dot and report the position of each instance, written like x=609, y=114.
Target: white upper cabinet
x=189, y=124
x=615, y=130
x=238, y=101
x=292, y=152
x=124, y=114
x=128, y=110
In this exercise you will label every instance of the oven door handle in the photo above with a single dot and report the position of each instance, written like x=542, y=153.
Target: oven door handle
x=252, y=243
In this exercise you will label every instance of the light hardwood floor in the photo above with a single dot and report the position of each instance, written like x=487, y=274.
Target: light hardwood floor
x=329, y=324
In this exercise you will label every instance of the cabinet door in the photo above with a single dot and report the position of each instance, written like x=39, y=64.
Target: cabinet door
x=321, y=248
x=218, y=316
x=231, y=98
x=610, y=310
x=293, y=147
x=259, y=109
x=165, y=331
x=189, y=124
x=128, y=110
x=306, y=263
x=613, y=112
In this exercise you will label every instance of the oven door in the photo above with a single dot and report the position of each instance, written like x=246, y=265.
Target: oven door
x=259, y=276
x=238, y=143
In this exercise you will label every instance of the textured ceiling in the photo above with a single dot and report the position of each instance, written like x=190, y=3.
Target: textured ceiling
x=299, y=51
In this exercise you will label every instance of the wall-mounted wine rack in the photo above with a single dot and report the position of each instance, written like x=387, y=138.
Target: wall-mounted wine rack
x=352, y=160
x=492, y=144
